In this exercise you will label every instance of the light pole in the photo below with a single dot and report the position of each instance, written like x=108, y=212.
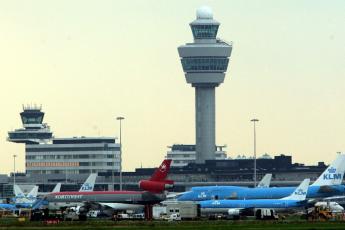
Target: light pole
x=14, y=169
x=120, y=119
x=65, y=173
x=254, y=122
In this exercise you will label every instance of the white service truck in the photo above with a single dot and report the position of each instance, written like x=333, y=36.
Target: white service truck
x=187, y=210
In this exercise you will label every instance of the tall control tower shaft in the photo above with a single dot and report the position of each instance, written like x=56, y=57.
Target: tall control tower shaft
x=204, y=63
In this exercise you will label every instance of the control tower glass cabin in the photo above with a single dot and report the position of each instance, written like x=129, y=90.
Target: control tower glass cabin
x=34, y=131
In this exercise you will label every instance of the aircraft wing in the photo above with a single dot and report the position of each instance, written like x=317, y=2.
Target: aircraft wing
x=98, y=206
x=174, y=195
x=109, y=208
x=91, y=205
x=333, y=198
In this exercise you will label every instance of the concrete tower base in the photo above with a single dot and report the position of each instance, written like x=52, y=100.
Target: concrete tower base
x=205, y=123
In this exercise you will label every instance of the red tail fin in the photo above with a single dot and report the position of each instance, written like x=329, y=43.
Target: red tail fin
x=161, y=173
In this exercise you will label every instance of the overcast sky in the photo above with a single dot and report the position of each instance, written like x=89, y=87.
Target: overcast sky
x=87, y=62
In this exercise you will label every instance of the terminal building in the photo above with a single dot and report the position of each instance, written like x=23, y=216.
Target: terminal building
x=45, y=154
x=78, y=155
x=182, y=155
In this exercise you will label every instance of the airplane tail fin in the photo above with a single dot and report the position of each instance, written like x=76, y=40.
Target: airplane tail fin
x=33, y=193
x=333, y=175
x=89, y=183
x=18, y=193
x=57, y=188
x=162, y=172
x=158, y=183
x=300, y=192
x=265, y=181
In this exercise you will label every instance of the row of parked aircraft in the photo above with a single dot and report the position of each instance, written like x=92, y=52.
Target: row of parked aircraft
x=230, y=199
x=235, y=199
x=21, y=200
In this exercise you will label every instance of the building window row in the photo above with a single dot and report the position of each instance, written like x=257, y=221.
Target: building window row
x=172, y=156
x=73, y=149
x=212, y=64
x=73, y=171
x=70, y=164
x=52, y=164
x=99, y=163
x=204, y=31
x=28, y=135
x=72, y=156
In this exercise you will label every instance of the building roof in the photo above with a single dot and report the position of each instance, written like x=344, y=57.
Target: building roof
x=84, y=140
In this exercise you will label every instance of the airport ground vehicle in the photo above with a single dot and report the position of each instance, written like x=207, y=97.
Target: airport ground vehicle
x=159, y=212
x=320, y=213
x=71, y=216
x=122, y=216
x=266, y=214
x=186, y=210
x=174, y=217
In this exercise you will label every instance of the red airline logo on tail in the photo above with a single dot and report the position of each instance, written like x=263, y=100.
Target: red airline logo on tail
x=158, y=183
x=163, y=167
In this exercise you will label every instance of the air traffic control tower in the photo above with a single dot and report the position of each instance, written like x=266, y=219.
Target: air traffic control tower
x=34, y=131
x=204, y=63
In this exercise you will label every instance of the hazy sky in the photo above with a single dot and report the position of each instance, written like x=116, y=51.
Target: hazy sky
x=87, y=62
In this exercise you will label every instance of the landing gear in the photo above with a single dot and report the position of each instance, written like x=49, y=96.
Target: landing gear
x=148, y=212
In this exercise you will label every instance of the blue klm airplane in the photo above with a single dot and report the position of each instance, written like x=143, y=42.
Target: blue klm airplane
x=20, y=200
x=327, y=185
x=296, y=199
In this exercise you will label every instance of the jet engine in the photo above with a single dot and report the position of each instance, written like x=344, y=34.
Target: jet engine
x=155, y=186
x=233, y=212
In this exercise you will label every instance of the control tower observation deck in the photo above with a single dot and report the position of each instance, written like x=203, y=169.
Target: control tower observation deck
x=204, y=63
x=34, y=131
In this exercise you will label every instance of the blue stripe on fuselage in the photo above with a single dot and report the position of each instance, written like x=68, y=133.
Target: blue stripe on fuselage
x=7, y=206
x=258, y=203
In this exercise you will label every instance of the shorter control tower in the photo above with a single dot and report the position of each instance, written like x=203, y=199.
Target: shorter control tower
x=34, y=131
x=204, y=63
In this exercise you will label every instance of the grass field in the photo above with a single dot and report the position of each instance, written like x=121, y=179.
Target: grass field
x=195, y=225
